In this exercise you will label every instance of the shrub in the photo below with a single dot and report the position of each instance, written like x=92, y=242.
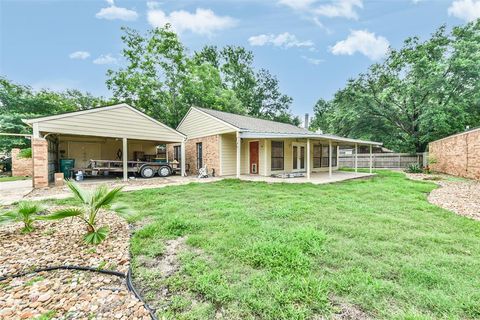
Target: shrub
x=25, y=153
x=92, y=202
x=414, y=168
x=26, y=212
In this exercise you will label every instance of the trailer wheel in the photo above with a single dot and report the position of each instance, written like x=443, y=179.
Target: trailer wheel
x=147, y=172
x=164, y=171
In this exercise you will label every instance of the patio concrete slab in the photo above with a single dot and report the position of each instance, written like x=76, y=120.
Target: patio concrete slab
x=13, y=191
x=315, y=178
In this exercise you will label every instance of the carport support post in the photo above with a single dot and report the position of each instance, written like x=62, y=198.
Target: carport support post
x=125, y=159
x=238, y=154
x=371, y=162
x=356, y=157
x=329, y=158
x=308, y=159
x=182, y=158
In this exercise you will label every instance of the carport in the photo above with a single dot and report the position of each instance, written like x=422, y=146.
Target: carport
x=118, y=132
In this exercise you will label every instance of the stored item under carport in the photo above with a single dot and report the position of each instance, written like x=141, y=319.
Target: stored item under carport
x=145, y=169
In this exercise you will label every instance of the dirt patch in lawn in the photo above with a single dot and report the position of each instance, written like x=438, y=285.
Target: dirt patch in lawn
x=346, y=311
x=459, y=195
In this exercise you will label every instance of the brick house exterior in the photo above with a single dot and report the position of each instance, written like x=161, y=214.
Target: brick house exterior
x=457, y=155
x=21, y=167
x=210, y=154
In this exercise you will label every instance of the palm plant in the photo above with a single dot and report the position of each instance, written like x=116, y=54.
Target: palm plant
x=26, y=212
x=92, y=201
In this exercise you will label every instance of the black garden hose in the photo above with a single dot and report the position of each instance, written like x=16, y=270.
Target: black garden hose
x=127, y=277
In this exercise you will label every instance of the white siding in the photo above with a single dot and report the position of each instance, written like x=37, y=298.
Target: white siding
x=118, y=123
x=198, y=124
x=228, y=154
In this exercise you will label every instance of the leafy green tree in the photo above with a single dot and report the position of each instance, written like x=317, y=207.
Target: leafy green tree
x=320, y=120
x=19, y=102
x=421, y=92
x=258, y=92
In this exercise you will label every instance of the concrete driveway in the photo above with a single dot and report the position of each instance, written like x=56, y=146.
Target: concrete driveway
x=12, y=191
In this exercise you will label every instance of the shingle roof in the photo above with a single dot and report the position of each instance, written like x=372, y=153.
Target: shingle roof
x=247, y=123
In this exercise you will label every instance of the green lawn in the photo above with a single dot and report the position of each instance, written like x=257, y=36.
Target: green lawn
x=290, y=251
x=5, y=179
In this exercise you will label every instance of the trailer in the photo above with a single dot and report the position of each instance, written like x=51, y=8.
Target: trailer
x=146, y=169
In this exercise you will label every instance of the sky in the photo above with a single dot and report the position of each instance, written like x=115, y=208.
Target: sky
x=312, y=46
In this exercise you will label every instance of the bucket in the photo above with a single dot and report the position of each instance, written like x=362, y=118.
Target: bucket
x=79, y=176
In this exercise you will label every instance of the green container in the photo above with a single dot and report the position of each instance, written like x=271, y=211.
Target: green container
x=65, y=166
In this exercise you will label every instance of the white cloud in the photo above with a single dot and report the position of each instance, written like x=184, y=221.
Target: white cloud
x=468, y=10
x=340, y=8
x=202, y=21
x=334, y=9
x=285, y=40
x=81, y=55
x=364, y=42
x=297, y=4
x=313, y=60
x=106, y=59
x=113, y=12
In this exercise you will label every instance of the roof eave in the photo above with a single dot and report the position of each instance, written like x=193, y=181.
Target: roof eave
x=273, y=135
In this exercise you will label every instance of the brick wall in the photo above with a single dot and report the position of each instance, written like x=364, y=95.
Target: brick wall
x=21, y=167
x=457, y=155
x=40, y=162
x=211, y=153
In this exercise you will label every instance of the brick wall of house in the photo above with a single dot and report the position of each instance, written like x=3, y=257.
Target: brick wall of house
x=211, y=153
x=457, y=155
x=40, y=162
x=21, y=167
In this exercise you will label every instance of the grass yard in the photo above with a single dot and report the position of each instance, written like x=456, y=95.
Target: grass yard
x=373, y=247
x=8, y=178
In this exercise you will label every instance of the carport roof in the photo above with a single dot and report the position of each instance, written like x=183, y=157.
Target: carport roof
x=119, y=121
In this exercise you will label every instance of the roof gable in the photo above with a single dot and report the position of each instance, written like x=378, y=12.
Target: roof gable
x=248, y=123
x=119, y=120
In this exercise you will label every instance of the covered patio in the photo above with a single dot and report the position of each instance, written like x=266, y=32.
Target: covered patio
x=306, y=156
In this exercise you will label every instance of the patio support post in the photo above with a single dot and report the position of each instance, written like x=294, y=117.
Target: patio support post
x=329, y=158
x=356, y=157
x=238, y=154
x=308, y=159
x=371, y=162
x=182, y=158
x=124, y=159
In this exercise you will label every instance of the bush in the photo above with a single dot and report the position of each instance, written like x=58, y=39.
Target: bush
x=414, y=168
x=25, y=153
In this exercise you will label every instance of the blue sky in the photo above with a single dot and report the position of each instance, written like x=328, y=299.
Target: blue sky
x=312, y=46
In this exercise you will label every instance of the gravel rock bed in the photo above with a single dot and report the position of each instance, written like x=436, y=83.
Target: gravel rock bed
x=60, y=242
x=461, y=196
x=69, y=294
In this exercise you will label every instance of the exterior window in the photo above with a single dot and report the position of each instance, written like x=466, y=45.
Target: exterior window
x=317, y=155
x=277, y=155
x=324, y=156
x=177, y=154
x=334, y=156
x=199, y=155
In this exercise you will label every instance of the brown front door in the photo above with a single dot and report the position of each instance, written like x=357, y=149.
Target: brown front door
x=254, y=157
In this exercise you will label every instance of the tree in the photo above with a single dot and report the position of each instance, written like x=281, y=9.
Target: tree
x=19, y=102
x=320, y=120
x=421, y=92
x=258, y=92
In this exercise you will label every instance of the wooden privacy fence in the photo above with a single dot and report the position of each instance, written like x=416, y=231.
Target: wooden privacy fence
x=383, y=160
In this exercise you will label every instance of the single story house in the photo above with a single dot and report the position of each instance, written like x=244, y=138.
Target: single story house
x=233, y=145
x=118, y=132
